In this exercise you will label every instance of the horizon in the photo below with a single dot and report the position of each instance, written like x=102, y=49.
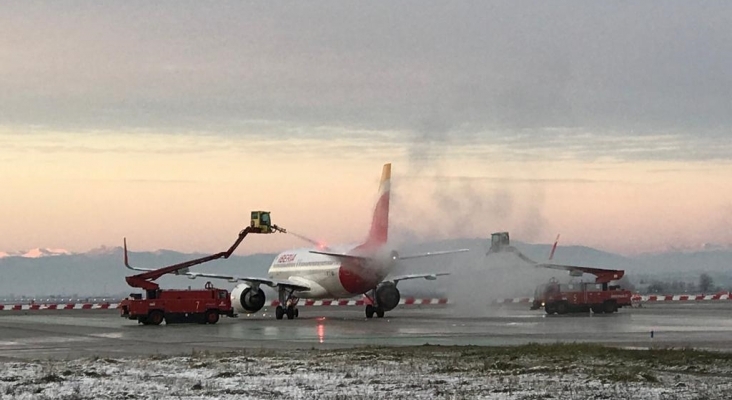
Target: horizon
x=168, y=123
x=37, y=252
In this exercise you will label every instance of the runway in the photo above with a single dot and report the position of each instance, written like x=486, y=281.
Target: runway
x=69, y=334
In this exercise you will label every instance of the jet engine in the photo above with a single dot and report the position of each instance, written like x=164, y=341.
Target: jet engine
x=387, y=296
x=246, y=299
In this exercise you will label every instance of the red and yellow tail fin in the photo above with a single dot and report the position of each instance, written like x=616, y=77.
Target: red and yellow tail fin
x=379, y=232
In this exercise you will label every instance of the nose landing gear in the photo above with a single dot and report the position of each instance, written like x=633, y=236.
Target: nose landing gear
x=290, y=301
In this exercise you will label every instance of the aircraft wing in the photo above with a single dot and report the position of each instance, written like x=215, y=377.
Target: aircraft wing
x=183, y=271
x=411, y=256
x=260, y=281
x=432, y=253
x=429, y=277
x=340, y=255
x=231, y=278
x=603, y=275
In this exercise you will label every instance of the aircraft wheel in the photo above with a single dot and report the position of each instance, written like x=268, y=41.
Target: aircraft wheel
x=290, y=312
x=370, y=311
x=279, y=312
x=380, y=312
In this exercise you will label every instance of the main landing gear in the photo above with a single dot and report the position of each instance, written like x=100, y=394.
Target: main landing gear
x=290, y=304
x=383, y=298
x=371, y=310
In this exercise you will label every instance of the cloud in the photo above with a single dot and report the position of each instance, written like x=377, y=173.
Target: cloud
x=435, y=74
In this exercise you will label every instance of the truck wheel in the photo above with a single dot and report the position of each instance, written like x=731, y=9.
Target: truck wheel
x=562, y=308
x=549, y=309
x=279, y=312
x=155, y=317
x=211, y=317
x=610, y=307
x=597, y=310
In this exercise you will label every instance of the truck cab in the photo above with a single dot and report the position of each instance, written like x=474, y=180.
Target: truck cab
x=499, y=241
x=261, y=220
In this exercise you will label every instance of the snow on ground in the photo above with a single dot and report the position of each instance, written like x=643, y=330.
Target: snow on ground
x=426, y=372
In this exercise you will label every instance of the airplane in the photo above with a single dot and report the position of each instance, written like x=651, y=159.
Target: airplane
x=332, y=272
x=500, y=242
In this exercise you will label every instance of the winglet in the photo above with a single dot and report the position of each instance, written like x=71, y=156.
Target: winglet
x=127, y=260
x=554, y=247
x=127, y=263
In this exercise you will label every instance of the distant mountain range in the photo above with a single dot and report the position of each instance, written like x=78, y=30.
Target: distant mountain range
x=100, y=272
x=36, y=253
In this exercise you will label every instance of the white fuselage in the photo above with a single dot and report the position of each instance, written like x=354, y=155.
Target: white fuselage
x=327, y=276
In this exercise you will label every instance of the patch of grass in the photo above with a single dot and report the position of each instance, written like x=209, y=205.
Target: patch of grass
x=569, y=352
x=649, y=377
x=50, y=378
x=500, y=366
x=618, y=376
x=95, y=374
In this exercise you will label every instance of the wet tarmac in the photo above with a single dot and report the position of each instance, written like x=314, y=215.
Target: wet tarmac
x=102, y=333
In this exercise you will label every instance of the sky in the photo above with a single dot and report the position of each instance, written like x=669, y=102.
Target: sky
x=167, y=122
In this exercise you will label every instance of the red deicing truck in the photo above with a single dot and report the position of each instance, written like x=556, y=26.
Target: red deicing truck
x=193, y=305
x=599, y=296
x=176, y=306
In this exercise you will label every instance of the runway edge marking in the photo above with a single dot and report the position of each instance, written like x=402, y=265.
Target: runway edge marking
x=409, y=301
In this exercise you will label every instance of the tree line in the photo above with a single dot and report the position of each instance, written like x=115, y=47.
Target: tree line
x=704, y=285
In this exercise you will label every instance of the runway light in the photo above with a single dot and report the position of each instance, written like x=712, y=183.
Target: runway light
x=321, y=333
